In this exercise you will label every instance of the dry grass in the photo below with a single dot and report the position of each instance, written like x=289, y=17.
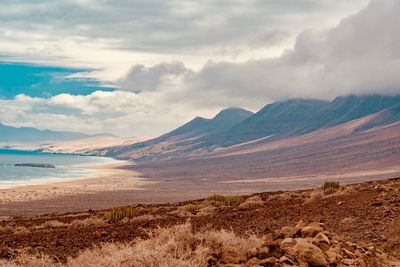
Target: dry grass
x=6, y=229
x=330, y=187
x=119, y=213
x=191, y=208
x=14, y=230
x=252, y=202
x=176, y=246
x=88, y=221
x=228, y=200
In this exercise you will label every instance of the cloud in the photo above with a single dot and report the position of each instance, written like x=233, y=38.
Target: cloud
x=175, y=27
x=140, y=78
x=358, y=56
x=119, y=112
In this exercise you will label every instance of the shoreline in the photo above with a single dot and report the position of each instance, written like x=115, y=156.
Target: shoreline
x=105, y=178
x=91, y=168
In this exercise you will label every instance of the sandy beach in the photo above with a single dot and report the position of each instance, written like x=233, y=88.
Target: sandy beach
x=110, y=177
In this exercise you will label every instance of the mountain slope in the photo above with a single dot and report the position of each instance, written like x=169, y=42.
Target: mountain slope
x=26, y=134
x=183, y=138
x=274, y=122
x=300, y=116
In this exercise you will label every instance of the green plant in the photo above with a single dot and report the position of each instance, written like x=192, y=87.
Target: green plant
x=119, y=213
x=228, y=200
x=330, y=187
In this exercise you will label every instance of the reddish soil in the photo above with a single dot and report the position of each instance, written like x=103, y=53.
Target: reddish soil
x=368, y=212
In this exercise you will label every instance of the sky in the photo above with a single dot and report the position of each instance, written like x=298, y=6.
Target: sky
x=144, y=67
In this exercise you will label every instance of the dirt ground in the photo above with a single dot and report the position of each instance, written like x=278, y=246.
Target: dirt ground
x=367, y=212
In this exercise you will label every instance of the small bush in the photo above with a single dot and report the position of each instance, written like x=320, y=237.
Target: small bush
x=119, y=213
x=6, y=229
x=88, y=222
x=228, y=200
x=191, y=208
x=330, y=187
x=52, y=224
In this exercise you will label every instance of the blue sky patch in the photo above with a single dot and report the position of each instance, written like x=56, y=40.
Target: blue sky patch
x=44, y=81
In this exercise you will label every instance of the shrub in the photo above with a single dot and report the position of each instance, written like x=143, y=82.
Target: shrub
x=228, y=200
x=191, y=208
x=330, y=187
x=52, y=224
x=119, y=213
x=88, y=221
x=6, y=229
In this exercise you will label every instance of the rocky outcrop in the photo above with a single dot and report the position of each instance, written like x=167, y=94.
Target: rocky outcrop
x=35, y=165
x=309, y=245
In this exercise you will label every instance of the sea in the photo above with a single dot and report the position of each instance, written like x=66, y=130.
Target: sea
x=67, y=167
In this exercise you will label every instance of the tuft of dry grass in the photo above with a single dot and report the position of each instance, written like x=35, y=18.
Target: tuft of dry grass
x=14, y=230
x=119, y=213
x=252, y=202
x=178, y=246
x=228, y=200
x=52, y=224
x=88, y=221
x=6, y=229
x=191, y=208
x=330, y=187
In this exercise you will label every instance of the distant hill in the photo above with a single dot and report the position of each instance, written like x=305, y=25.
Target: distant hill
x=26, y=134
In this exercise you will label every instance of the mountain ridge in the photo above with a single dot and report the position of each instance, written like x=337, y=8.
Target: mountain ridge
x=277, y=121
x=29, y=134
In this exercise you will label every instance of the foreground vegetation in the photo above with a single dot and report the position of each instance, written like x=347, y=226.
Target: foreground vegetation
x=338, y=228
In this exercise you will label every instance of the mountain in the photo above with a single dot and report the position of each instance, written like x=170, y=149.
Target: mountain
x=300, y=116
x=182, y=139
x=26, y=134
x=223, y=121
x=281, y=120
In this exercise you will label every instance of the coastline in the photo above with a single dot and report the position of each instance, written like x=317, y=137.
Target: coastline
x=105, y=178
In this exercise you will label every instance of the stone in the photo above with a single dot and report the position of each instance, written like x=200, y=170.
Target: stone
x=320, y=238
x=309, y=253
x=311, y=230
x=287, y=245
x=253, y=262
x=286, y=260
x=297, y=229
x=271, y=261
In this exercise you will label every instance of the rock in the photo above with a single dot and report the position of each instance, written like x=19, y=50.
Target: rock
x=287, y=245
x=35, y=165
x=297, y=229
x=311, y=230
x=275, y=250
x=333, y=255
x=253, y=262
x=320, y=238
x=263, y=253
x=309, y=253
x=286, y=231
x=268, y=262
x=286, y=260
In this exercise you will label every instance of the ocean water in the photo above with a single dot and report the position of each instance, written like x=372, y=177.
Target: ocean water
x=67, y=167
